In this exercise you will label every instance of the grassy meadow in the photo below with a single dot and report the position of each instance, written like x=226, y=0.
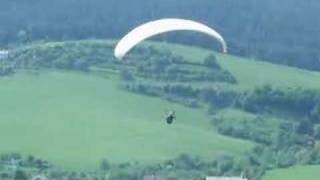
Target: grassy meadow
x=294, y=173
x=75, y=120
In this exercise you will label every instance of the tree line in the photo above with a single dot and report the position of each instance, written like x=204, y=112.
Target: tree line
x=283, y=32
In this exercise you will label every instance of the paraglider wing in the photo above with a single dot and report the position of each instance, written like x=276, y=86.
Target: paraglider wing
x=153, y=28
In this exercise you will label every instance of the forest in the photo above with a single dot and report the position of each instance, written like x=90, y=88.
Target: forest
x=284, y=32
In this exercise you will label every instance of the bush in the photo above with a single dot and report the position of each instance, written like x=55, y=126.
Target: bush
x=315, y=114
x=6, y=70
x=305, y=127
x=20, y=175
x=317, y=132
x=105, y=165
x=126, y=75
x=297, y=101
x=211, y=62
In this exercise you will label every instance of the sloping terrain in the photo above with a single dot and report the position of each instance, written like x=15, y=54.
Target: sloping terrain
x=75, y=120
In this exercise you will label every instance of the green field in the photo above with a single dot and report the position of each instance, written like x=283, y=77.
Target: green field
x=77, y=119
x=74, y=120
x=251, y=73
x=294, y=173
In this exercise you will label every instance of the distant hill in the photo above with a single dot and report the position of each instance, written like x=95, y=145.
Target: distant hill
x=285, y=32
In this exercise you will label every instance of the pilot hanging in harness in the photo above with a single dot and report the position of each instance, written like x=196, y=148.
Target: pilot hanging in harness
x=170, y=117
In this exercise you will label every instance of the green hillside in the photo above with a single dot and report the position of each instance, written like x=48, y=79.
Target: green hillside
x=75, y=120
x=249, y=72
x=73, y=109
x=294, y=173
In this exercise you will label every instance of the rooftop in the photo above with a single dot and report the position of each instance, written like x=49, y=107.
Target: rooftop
x=225, y=178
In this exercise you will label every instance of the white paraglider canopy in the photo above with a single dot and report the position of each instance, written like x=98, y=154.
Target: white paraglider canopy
x=153, y=28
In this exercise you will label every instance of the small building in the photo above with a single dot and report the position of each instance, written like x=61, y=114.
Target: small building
x=39, y=177
x=153, y=177
x=4, y=54
x=225, y=178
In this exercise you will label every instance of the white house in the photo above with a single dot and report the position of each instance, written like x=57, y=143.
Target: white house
x=153, y=177
x=4, y=54
x=225, y=178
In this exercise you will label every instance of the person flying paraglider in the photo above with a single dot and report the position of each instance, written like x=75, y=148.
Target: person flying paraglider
x=157, y=27
x=170, y=117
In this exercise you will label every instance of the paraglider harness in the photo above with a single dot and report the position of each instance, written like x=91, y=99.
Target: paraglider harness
x=171, y=116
